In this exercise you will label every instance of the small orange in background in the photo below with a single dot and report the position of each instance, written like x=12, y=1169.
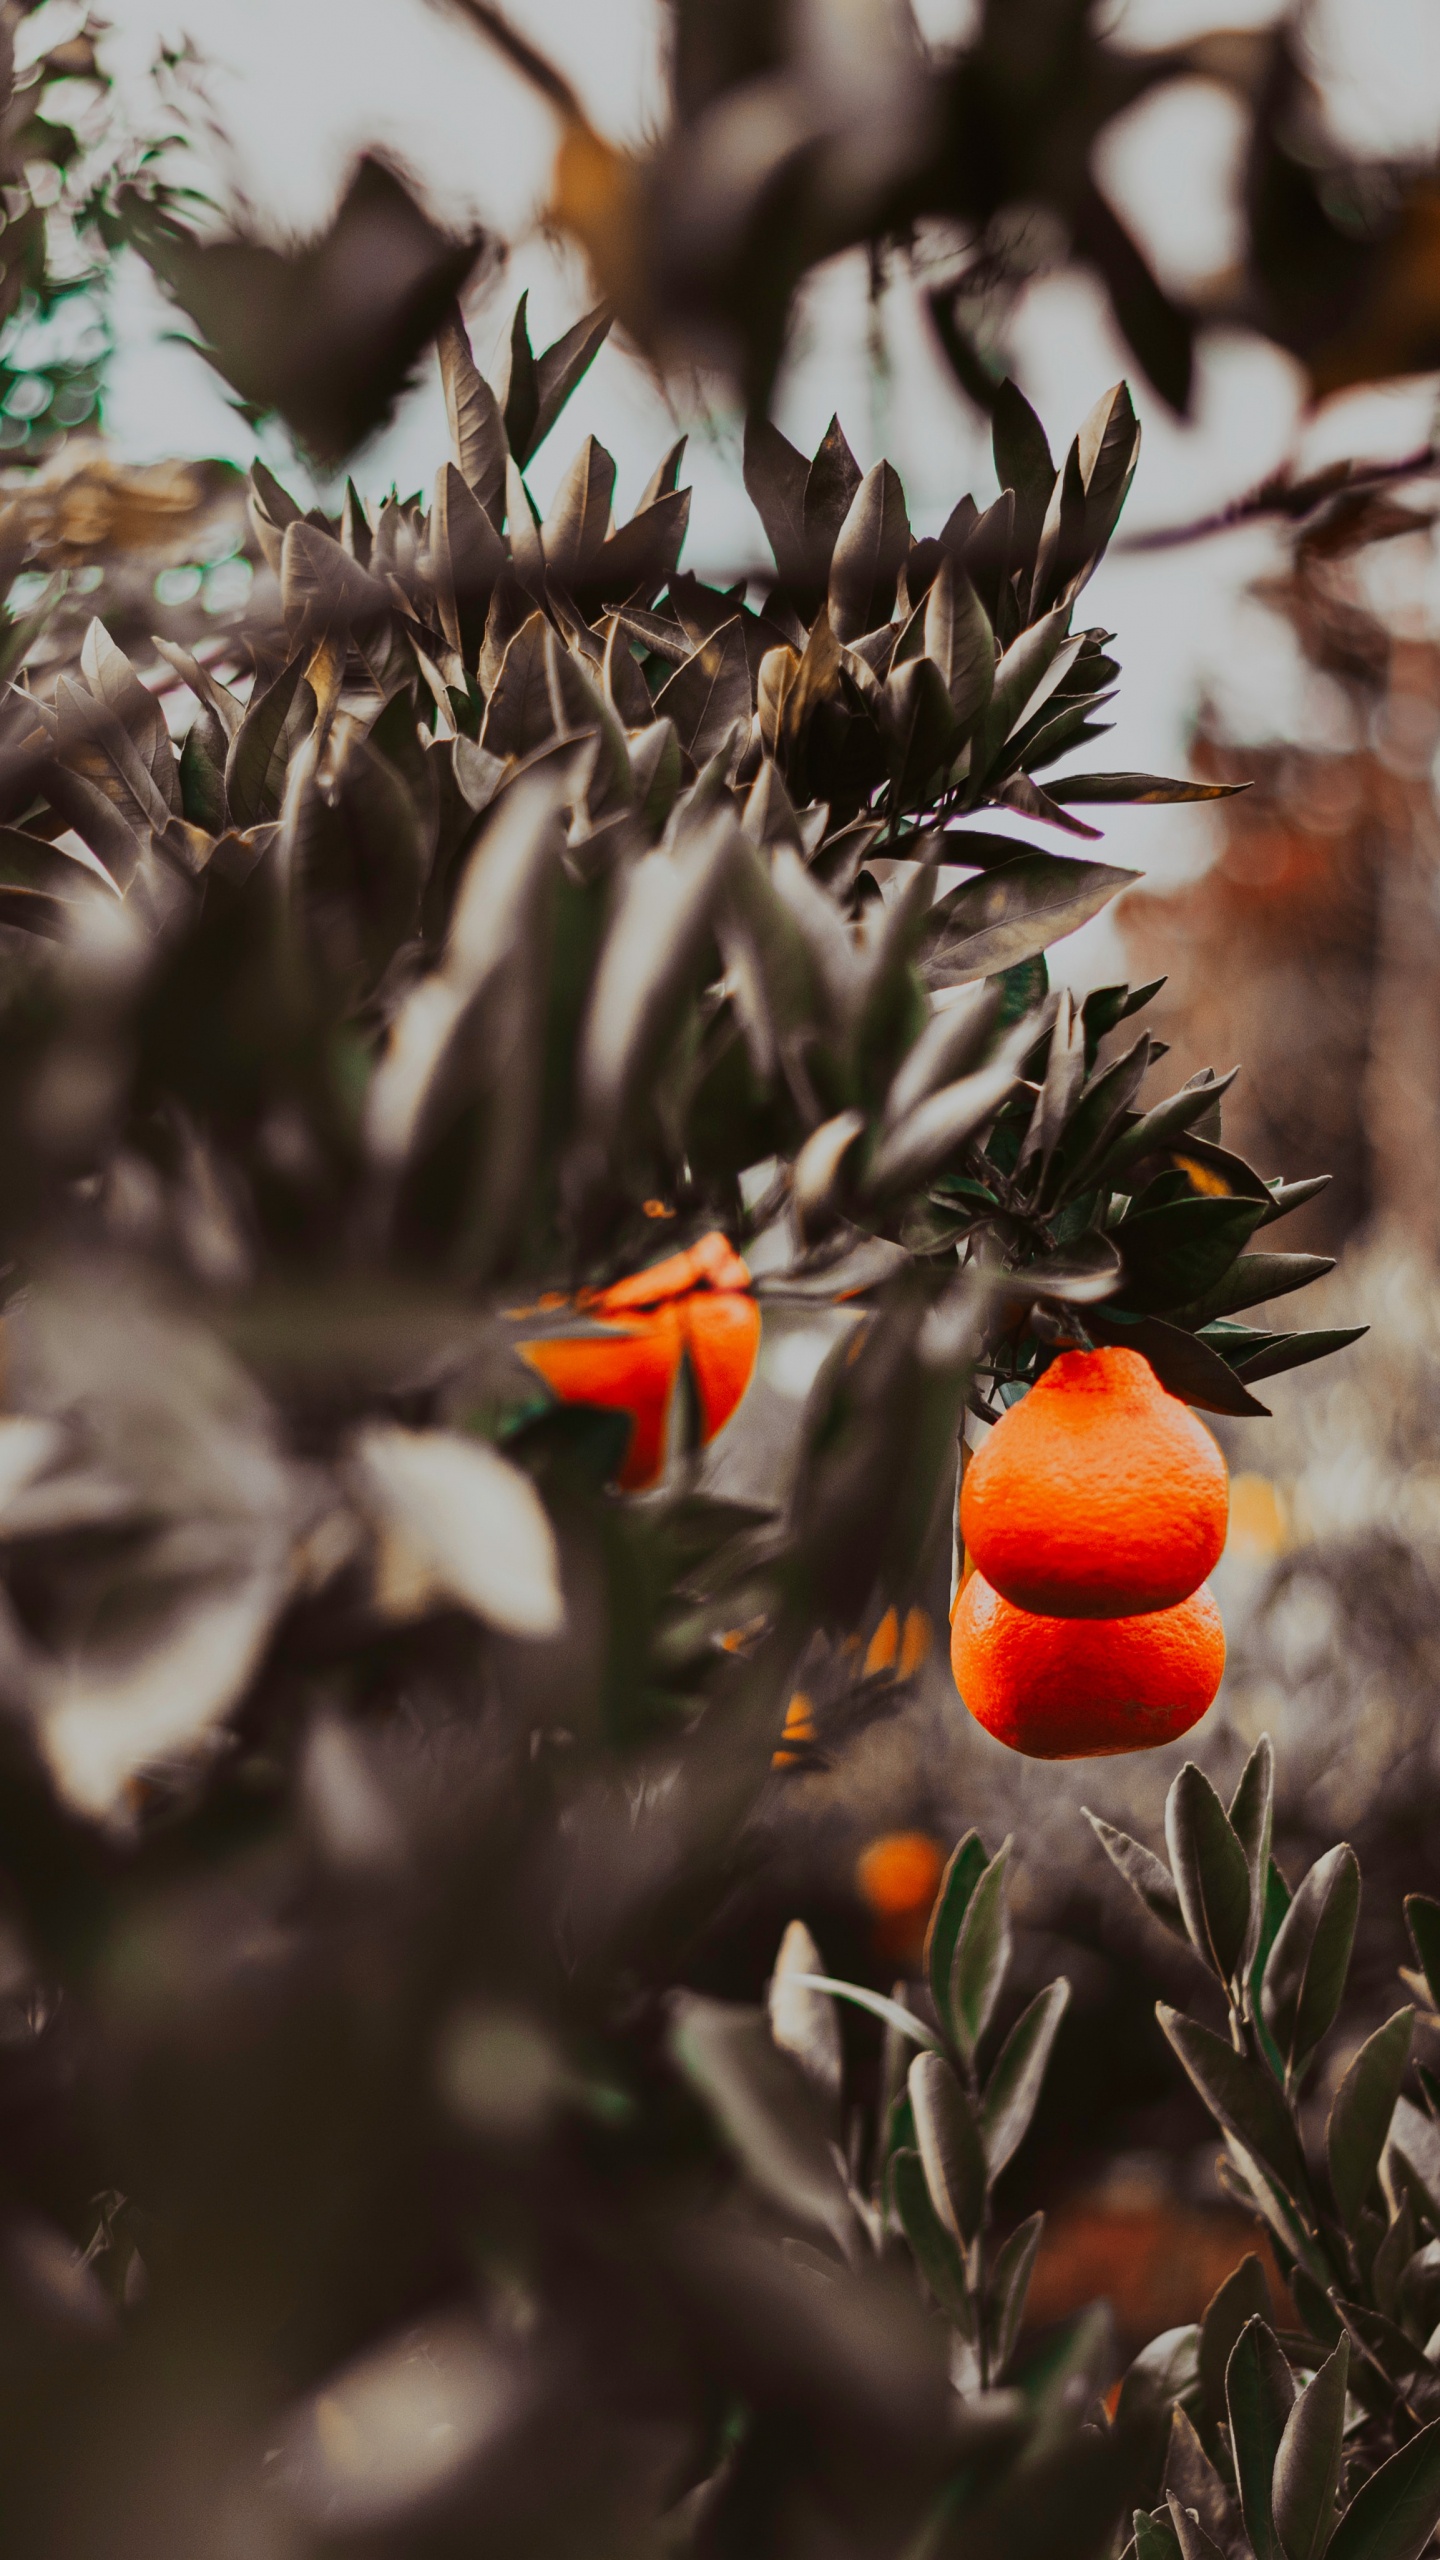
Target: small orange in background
x=898, y=1877
x=1085, y=1688
x=1098, y=1495
x=697, y=1304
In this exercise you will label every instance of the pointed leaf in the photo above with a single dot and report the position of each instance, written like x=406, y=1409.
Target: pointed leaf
x=1013, y=2088
x=1212, y=1875
x=1008, y=915
x=1304, y=1978
x=1307, y=2466
x=870, y=551
x=761, y=2104
x=1360, y=2117
x=1244, y=2296
x=932, y=2245
x=966, y=1865
x=1394, y=2514
x=1259, y=2397
x=254, y=768
x=950, y=2146
x=1009, y=2285
x=982, y=1957
x=803, y=2022
x=477, y=430
x=1243, y=2099
x=1146, y=1875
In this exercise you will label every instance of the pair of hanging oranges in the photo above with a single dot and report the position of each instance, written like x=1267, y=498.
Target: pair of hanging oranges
x=1091, y=1518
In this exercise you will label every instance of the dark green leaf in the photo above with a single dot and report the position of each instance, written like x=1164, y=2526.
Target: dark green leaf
x=1159, y=1127
x=932, y=2246
x=1304, y=1980
x=1422, y=1918
x=255, y=766
x=1297, y=1350
x=1253, y=1280
x=762, y=2106
x=1173, y=1255
x=1013, y=2088
x=1251, y=1819
x=1183, y=1362
x=950, y=2146
x=1259, y=2397
x=1145, y=1874
x=1211, y=1871
x=1394, y=2514
x=1192, y=2540
x=1243, y=2099
x=1152, y=2539
x=1307, y=2466
x=992, y=923
x=982, y=1957
x=1149, y=788
x=966, y=1865
x=1243, y=2296
x=1191, y=2476
x=1360, y=2116
x=1009, y=2284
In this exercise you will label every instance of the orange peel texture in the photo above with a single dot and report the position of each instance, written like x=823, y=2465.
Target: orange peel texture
x=1085, y=1688
x=1099, y=1495
x=696, y=1304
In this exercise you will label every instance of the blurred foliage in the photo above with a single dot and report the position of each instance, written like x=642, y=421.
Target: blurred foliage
x=371, y=1767
x=797, y=134
x=53, y=339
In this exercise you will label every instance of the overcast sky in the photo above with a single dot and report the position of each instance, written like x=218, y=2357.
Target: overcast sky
x=299, y=86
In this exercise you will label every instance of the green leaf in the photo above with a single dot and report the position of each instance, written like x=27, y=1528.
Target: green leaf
x=1151, y=789
x=1211, y=1871
x=950, y=2146
x=931, y=2245
x=1393, y=2516
x=1243, y=2099
x=1422, y=1918
x=860, y=1996
x=967, y=1864
x=1259, y=2397
x=1008, y=915
x=1307, y=2466
x=1192, y=2540
x=1277, y=1903
x=1164, y=2375
x=1297, y=1350
x=1244, y=2296
x=1254, y=1280
x=1304, y=1979
x=1008, y=2287
x=981, y=1959
x=762, y=2106
x=1191, y=1369
x=255, y=765
x=1192, y=2477
x=1360, y=2116
x=1251, y=1819
x=1145, y=1874
x=1159, y=1127
x=1100, y=1109
x=1175, y=1254
x=1152, y=2539
x=1013, y=2088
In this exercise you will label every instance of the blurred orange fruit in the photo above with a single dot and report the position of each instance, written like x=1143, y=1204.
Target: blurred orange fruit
x=898, y=1877
x=1085, y=1688
x=1098, y=1495
x=697, y=1304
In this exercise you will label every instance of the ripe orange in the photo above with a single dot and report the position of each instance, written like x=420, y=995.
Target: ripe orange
x=1084, y=1688
x=1098, y=1495
x=898, y=1877
x=697, y=1302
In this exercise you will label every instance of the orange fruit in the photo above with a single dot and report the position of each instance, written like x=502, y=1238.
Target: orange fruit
x=898, y=1877
x=1098, y=1495
x=697, y=1302
x=1084, y=1688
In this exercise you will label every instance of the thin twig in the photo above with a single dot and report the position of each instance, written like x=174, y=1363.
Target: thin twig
x=1291, y=499
x=522, y=55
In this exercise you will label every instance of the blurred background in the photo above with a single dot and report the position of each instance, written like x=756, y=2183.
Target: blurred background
x=1298, y=926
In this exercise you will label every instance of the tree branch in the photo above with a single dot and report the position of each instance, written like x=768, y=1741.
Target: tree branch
x=1292, y=500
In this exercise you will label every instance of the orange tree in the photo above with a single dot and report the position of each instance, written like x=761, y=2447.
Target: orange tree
x=371, y=1756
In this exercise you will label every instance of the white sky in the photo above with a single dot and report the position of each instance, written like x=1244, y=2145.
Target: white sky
x=300, y=86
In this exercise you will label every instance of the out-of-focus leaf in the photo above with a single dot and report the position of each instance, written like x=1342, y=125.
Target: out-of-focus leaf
x=113, y=680
x=1422, y=1918
x=762, y=2106
x=1008, y=2287
x=950, y=2146
x=1360, y=2116
x=1012, y=2090
x=933, y=2245
x=663, y=919
x=1005, y=916
x=325, y=335
x=938, y=1125
x=1191, y=2477
x=474, y=1522
x=1149, y=789
x=1304, y=1979
x=802, y=2021
x=518, y=717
